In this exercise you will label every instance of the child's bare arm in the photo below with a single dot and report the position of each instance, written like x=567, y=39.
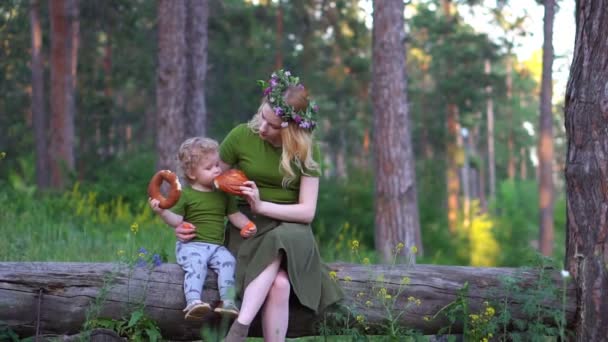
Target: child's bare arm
x=239, y=220
x=167, y=215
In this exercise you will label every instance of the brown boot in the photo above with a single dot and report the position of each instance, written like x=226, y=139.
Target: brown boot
x=238, y=332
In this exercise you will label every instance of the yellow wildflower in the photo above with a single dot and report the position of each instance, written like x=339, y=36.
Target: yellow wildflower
x=134, y=228
x=365, y=261
x=354, y=245
x=360, y=294
x=411, y=299
x=368, y=303
x=426, y=318
x=388, y=296
x=347, y=278
x=414, y=249
x=400, y=246
x=142, y=255
x=474, y=317
x=382, y=292
x=333, y=275
x=490, y=311
x=405, y=281
x=418, y=302
x=360, y=318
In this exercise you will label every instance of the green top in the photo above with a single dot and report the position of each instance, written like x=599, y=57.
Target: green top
x=260, y=160
x=206, y=211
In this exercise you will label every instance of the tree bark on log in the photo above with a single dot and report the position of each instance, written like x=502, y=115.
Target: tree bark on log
x=62, y=293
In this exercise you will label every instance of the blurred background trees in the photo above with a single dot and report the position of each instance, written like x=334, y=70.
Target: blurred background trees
x=93, y=113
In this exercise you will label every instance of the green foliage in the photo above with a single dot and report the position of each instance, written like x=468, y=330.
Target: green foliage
x=135, y=327
x=494, y=319
x=517, y=223
x=351, y=318
x=75, y=226
x=7, y=334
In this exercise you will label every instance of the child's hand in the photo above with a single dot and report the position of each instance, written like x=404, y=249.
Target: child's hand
x=154, y=205
x=249, y=230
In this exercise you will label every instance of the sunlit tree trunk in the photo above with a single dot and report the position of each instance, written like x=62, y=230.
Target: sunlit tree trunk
x=64, y=53
x=453, y=180
x=453, y=144
x=586, y=170
x=510, y=129
x=197, y=15
x=396, y=199
x=170, y=81
x=39, y=114
x=490, y=132
x=545, y=143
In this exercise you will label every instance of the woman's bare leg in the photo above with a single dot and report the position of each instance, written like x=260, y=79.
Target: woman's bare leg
x=256, y=292
x=275, y=314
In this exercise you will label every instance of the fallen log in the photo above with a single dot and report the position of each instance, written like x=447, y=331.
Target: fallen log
x=55, y=297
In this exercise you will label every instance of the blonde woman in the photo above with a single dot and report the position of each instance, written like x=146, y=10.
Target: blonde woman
x=276, y=150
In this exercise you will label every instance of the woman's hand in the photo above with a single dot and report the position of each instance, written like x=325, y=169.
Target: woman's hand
x=185, y=231
x=252, y=195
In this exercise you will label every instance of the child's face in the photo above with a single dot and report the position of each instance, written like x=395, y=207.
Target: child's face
x=208, y=168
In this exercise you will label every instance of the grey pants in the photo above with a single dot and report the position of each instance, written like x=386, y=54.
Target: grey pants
x=194, y=257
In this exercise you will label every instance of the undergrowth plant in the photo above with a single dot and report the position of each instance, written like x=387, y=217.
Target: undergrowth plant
x=135, y=325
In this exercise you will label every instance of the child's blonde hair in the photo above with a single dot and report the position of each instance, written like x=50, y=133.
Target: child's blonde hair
x=193, y=151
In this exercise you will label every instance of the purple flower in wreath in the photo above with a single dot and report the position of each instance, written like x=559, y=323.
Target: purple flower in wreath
x=267, y=91
x=297, y=118
x=284, y=124
x=315, y=108
x=278, y=111
x=273, y=82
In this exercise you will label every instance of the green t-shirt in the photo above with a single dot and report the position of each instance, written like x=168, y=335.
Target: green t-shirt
x=260, y=160
x=206, y=211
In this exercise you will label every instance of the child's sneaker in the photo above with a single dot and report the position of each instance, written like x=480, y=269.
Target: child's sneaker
x=227, y=308
x=196, y=310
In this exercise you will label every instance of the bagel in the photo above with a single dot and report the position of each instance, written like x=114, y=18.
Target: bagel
x=174, y=191
x=230, y=181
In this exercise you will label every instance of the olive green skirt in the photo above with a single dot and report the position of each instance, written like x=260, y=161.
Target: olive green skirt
x=309, y=277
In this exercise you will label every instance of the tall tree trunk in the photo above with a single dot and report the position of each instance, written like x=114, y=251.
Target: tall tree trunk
x=39, y=115
x=490, y=125
x=586, y=170
x=278, y=58
x=453, y=143
x=64, y=51
x=509, y=109
x=170, y=81
x=545, y=143
x=453, y=180
x=196, y=44
x=396, y=199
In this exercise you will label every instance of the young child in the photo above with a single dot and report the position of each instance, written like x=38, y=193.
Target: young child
x=206, y=209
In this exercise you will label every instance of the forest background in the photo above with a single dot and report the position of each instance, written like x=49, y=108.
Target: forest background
x=96, y=210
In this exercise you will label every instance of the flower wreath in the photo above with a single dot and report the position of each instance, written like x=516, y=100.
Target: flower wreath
x=274, y=90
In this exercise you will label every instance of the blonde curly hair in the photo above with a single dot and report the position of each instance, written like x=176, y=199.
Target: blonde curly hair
x=193, y=151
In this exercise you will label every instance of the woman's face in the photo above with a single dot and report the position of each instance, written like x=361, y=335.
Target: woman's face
x=270, y=126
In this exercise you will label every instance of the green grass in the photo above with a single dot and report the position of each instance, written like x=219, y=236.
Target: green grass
x=74, y=227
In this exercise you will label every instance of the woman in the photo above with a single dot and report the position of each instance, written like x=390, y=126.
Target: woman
x=276, y=152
